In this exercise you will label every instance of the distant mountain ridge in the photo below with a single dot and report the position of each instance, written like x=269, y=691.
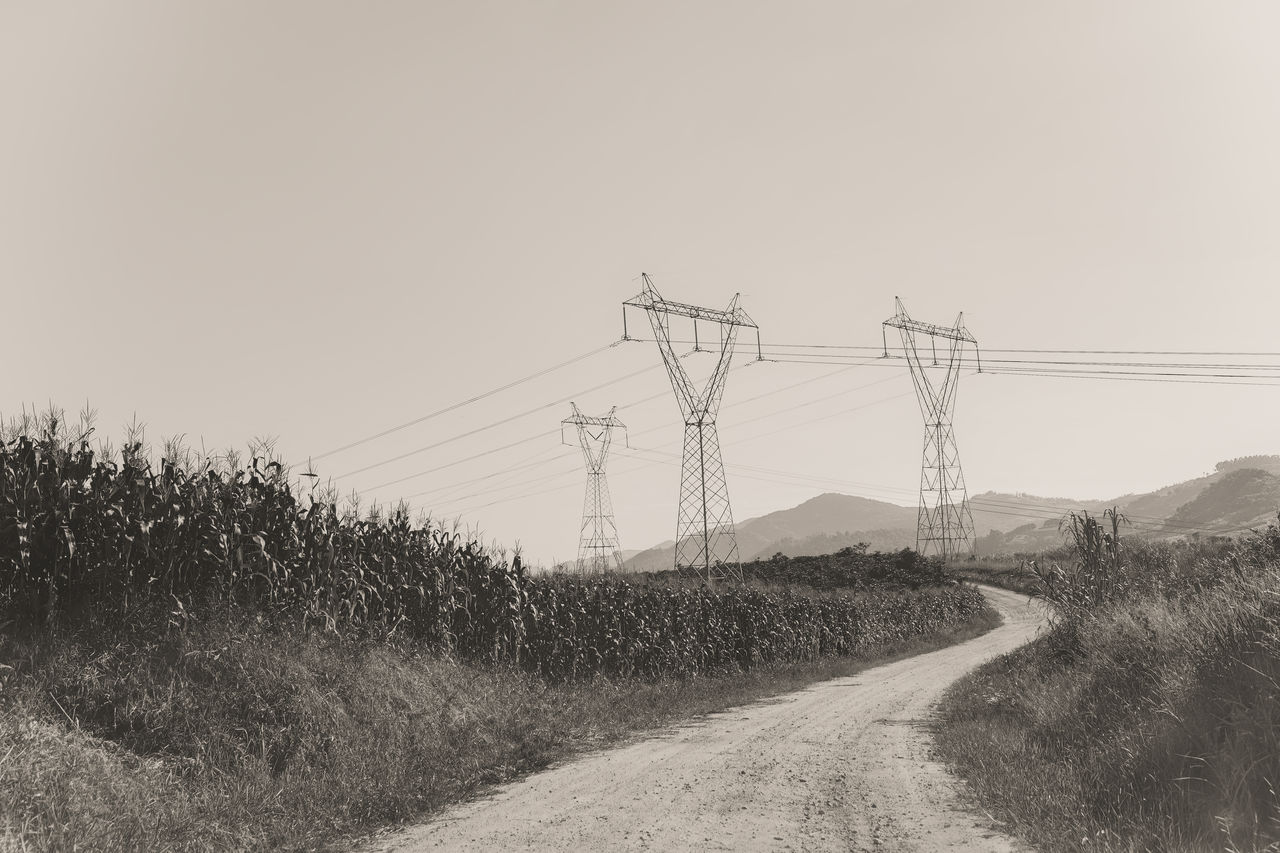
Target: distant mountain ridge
x=1240, y=493
x=826, y=515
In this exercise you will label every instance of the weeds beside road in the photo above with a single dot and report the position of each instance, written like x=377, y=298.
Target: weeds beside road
x=243, y=735
x=1148, y=717
x=199, y=655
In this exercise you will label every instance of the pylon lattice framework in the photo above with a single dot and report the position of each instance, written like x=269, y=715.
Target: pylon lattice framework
x=945, y=524
x=598, y=547
x=706, y=543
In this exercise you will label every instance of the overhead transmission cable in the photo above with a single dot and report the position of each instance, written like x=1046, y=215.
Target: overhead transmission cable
x=1217, y=382
x=1201, y=353
x=492, y=425
x=1018, y=367
x=538, y=460
x=462, y=403
x=650, y=462
x=1024, y=369
x=1144, y=376
x=471, y=458
x=774, y=413
x=528, y=439
x=1045, y=512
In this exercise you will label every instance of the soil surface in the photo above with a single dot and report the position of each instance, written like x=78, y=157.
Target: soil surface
x=842, y=765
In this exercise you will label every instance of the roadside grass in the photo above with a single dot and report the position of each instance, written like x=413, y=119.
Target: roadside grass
x=1147, y=721
x=1006, y=572
x=235, y=733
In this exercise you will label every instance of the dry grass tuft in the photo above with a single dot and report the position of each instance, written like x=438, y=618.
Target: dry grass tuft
x=240, y=734
x=1147, y=718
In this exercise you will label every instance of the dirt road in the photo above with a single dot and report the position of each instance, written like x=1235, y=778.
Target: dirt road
x=843, y=765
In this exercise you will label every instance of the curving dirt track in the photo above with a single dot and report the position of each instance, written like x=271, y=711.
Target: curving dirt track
x=841, y=765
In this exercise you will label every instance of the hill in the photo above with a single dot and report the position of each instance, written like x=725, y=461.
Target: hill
x=1242, y=497
x=1240, y=493
x=820, y=525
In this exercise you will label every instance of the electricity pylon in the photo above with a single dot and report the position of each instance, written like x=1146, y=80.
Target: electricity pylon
x=945, y=524
x=598, y=543
x=706, y=544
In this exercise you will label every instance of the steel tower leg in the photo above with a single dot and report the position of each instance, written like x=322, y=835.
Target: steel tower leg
x=706, y=542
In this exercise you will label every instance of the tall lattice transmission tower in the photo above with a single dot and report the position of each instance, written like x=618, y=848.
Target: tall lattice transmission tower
x=945, y=524
x=598, y=548
x=706, y=544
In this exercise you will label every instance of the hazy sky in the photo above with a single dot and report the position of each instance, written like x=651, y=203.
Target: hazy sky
x=320, y=220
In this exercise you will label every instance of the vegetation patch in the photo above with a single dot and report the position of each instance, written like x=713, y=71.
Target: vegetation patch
x=240, y=734
x=1007, y=571
x=197, y=655
x=85, y=540
x=1148, y=716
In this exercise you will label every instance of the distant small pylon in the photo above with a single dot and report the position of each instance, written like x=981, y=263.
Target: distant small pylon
x=945, y=524
x=598, y=547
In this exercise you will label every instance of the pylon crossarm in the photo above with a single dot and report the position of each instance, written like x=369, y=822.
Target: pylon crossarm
x=650, y=300
x=595, y=421
x=901, y=320
x=949, y=332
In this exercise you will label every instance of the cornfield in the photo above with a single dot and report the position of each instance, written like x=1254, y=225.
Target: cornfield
x=578, y=627
x=84, y=536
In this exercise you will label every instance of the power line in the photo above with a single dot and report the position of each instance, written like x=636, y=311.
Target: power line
x=1188, y=375
x=849, y=410
x=536, y=461
x=492, y=425
x=880, y=348
x=540, y=492
x=1205, y=353
x=522, y=441
x=1143, y=364
x=1187, y=380
x=1036, y=367
x=1202, y=353
x=770, y=414
x=774, y=391
x=543, y=478
x=471, y=458
x=461, y=404
x=872, y=362
x=1147, y=368
x=988, y=505
x=1143, y=371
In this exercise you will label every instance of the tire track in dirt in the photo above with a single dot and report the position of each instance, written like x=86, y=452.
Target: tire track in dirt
x=841, y=765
